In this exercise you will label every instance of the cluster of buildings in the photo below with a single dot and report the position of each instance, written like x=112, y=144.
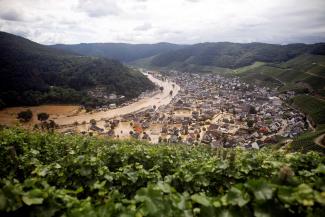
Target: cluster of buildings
x=211, y=109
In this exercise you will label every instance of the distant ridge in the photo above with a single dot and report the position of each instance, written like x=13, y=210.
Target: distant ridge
x=119, y=51
x=233, y=55
x=215, y=54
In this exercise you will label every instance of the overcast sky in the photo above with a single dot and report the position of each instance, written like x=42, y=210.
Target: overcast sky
x=176, y=21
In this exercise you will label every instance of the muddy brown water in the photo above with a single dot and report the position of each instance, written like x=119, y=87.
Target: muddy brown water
x=8, y=116
x=69, y=114
x=158, y=99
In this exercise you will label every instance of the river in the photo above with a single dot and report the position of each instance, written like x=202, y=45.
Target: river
x=67, y=114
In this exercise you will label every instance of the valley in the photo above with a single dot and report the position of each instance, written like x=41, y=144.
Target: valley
x=220, y=94
x=188, y=108
x=212, y=109
x=74, y=118
x=174, y=108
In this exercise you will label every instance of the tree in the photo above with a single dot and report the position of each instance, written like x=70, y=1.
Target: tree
x=252, y=110
x=52, y=124
x=42, y=116
x=250, y=123
x=2, y=104
x=92, y=122
x=171, y=93
x=25, y=116
x=49, y=125
x=161, y=88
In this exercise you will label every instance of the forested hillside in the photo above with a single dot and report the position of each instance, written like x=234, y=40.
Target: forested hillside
x=31, y=74
x=232, y=55
x=119, y=51
x=53, y=175
x=220, y=54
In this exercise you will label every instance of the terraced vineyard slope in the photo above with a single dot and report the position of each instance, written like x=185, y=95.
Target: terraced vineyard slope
x=305, y=73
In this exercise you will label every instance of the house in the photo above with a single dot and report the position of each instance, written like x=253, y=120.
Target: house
x=95, y=128
x=112, y=96
x=263, y=130
x=112, y=106
x=254, y=145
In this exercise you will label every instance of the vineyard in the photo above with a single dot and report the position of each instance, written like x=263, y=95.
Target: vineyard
x=47, y=174
x=305, y=142
x=312, y=106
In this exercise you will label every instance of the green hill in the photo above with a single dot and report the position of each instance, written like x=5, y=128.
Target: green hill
x=312, y=106
x=206, y=56
x=31, y=74
x=302, y=74
x=53, y=175
x=306, y=71
x=119, y=51
x=232, y=55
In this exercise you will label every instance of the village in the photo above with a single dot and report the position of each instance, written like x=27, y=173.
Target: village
x=210, y=109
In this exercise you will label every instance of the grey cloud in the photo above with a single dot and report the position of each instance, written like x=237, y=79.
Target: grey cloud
x=144, y=21
x=99, y=8
x=11, y=15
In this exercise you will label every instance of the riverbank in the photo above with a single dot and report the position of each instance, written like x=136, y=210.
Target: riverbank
x=65, y=115
x=8, y=116
x=158, y=99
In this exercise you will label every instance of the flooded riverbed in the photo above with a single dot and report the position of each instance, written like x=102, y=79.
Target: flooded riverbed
x=158, y=99
x=68, y=115
x=8, y=116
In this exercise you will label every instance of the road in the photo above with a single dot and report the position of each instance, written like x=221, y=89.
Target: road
x=319, y=140
x=315, y=75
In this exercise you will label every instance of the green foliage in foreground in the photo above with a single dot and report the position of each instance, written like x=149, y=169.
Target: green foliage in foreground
x=53, y=175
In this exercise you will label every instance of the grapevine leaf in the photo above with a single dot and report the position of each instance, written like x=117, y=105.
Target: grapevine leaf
x=261, y=189
x=32, y=200
x=286, y=195
x=237, y=197
x=3, y=201
x=224, y=212
x=321, y=169
x=320, y=197
x=201, y=199
x=304, y=195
